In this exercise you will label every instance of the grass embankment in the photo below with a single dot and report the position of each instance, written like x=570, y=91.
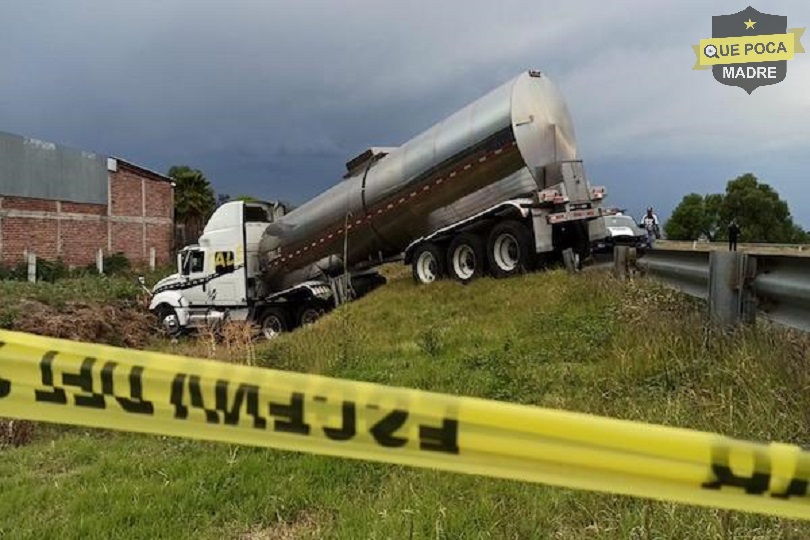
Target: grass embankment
x=584, y=343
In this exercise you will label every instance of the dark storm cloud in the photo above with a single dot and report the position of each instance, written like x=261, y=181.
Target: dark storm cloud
x=271, y=98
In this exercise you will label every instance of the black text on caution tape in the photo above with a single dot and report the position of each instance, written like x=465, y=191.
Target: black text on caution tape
x=94, y=386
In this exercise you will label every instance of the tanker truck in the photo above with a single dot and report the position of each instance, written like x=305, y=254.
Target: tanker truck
x=494, y=188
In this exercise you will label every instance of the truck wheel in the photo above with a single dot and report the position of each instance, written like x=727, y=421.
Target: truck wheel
x=273, y=323
x=466, y=259
x=308, y=314
x=169, y=322
x=428, y=263
x=510, y=249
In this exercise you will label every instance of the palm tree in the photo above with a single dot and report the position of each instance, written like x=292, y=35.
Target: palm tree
x=194, y=199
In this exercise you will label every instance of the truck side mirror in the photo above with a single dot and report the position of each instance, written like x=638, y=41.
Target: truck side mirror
x=142, y=283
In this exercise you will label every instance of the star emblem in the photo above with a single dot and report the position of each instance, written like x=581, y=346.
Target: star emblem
x=749, y=24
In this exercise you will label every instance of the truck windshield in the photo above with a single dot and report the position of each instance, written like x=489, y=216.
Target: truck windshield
x=192, y=262
x=620, y=221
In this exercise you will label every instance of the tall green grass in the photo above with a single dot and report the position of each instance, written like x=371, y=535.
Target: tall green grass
x=586, y=342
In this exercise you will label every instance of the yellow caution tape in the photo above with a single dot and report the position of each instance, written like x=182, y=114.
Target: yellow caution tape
x=94, y=385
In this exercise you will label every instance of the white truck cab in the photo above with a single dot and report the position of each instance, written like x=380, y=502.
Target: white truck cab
x=219, y=279
x=211, y=283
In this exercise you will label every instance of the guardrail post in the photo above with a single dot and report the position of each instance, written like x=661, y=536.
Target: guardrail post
x=727, y=270
x=620, y=262
x=625, y=262
x=749, y=298
x=569, y=260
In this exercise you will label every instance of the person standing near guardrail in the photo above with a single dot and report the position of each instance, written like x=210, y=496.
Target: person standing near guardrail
x=733, y=234
x=650, y=223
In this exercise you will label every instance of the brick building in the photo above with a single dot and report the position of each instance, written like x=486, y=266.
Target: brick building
x=63, y=203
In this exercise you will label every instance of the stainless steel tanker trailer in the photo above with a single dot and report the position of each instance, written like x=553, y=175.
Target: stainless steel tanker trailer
x=495, y=188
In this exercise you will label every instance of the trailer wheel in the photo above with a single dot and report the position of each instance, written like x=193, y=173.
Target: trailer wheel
x=273, y=323
x=466, y=259
x=510, y=249
x=428, y=263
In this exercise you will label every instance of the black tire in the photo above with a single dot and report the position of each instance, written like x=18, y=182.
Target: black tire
x=309, y=313
x=510, y=249
x=427, y=264
x=363, y=285
x=466, y=258
x=273, y=322
x=168, y=320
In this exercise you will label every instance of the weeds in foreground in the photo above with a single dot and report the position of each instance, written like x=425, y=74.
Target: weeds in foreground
x=15, y=433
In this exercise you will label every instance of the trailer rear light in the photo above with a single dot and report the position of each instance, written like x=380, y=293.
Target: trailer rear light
x=573, y=215
x=549, y=195
x=554, y=199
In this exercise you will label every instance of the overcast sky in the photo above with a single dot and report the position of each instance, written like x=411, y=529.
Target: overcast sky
x=271, y=98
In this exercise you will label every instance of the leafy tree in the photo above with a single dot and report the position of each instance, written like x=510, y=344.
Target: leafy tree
x=696, y=215
x=194, y=200
x=800, y=236
x=713, y=205
x=760, y=213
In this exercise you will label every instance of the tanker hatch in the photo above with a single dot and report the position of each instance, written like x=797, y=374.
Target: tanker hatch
x=370, y=156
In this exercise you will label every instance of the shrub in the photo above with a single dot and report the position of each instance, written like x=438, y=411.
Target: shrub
x=117, y=263
x=52, y=271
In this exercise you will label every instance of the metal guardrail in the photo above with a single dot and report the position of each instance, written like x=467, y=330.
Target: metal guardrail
x=738, y=285
x=687, y=271
x=782, y=289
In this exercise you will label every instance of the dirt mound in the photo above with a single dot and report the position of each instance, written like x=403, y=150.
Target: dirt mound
x=124, y=324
